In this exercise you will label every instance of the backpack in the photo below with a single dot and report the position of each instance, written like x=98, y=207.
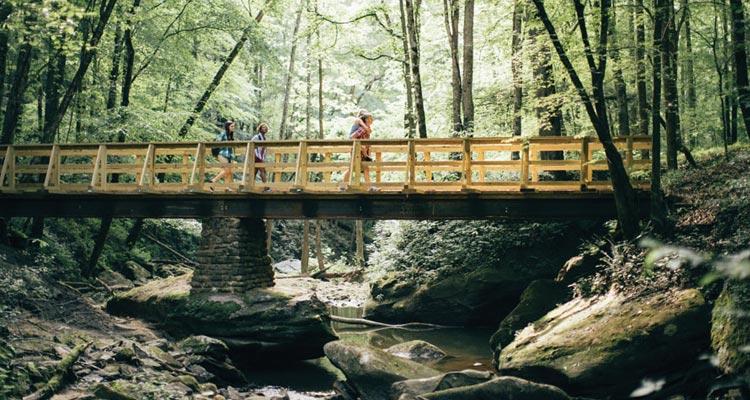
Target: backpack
x=215, y=151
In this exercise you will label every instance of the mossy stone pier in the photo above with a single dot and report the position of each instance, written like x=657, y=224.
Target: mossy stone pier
x=232, y=257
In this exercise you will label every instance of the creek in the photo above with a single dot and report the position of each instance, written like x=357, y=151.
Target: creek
x=313, y=379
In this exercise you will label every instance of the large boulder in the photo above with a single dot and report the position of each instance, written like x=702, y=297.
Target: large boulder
x=468, y=273
x=411, y=388
x=286, y=321
x=606, y=345
x=541, y=297
x=505, y=387
x=417, y=350
x=730, y=329
x=370, y=371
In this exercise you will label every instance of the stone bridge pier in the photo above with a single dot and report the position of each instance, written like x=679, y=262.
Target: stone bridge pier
x=232, y=257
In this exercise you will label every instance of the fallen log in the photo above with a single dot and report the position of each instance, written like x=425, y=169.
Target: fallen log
x=407, y=326
x=61, y=376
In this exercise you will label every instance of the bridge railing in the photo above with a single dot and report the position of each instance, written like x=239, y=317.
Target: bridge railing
x=482, y=164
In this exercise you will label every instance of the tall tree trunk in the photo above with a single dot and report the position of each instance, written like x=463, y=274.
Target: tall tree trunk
x=5, y=10
x=359, y=232
x=134, y=233
x=319, y=246
x=549, y=117
x=127, y=76
x=258, y=82
x=671, y=93
x=290, y=76
x=467, y=85
x=411, y=27
x=451, y=12
x=53, y=86
x=217, y=78
x=739, y=44
x=87, y=56
x=114, y=74
x=621, y=91
x=640, y=65
x=409, y=114
x=658, y=214
x=308, y=84
x=516, y=65
x=14, y=109
x=305, y=256
x=689, y=72
x=99, y=241
x=625, y=201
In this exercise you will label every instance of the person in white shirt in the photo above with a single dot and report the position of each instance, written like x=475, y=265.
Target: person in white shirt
x=260, y=151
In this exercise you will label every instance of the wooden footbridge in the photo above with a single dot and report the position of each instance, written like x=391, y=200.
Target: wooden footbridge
x=476, y=178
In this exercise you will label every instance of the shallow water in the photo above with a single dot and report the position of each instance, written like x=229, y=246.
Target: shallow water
x=466, y=348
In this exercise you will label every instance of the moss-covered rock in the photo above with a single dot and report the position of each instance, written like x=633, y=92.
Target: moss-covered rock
x=504, y=387
x=607, y=344
x=411, y=388
x=286, y=321
x=370, y=371
x=417, y=350
x=476, y=274
x=537, y=300
x=730, y=328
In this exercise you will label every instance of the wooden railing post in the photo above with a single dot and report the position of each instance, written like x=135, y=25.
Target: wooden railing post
x=524, y=166
x=411, y=161
x=277, y=175
x=584, y=162
x=300, y=178
x=427, y=168
x=9, y=168
x=355, y=166
x=327, y=175
x=100, y=173
x=200, y=156
x=52, y=178
x=378, y=168
x=147, y=169
x=466, y=170
x=248, y=168
x=482, y=170
x=629, y=155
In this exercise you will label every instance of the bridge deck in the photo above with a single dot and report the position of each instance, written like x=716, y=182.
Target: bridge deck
x=416, y=178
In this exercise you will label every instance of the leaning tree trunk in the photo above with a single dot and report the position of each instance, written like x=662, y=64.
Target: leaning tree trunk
x=217, y=78
x=658, y=216
x=467, y=84
x=740, y=59
x=411, y=27
x=451, y=11
x=101, y=238
x=5, y=11
x=691, y=96
x=127, y=77
x=621, y=91
x=671, y=94
x=290, y=75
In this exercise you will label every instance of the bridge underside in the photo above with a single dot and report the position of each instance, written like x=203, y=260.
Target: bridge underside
x=423, y=206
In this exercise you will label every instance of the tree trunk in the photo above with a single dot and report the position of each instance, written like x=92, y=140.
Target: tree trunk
x=305, y=256
x=467, y=85
x=689, y=71
x=549, y=117
x=658, y=215
x=739, y=42
x=5, y=11
x=411, y=27
x=516, y=65
x=135, y=232
x=621, y=91
x=627, y=208
x=319, y=246
x=14, y=109
x=409, y=122
x=217, y=78
x=127, y=77
x=671, y=93
x=101, y=238
x=114, y=74
x=451, y=12
x=53, y=86
x=290, y=76
x=359, y=232
x=87, y=56
x=640, y=64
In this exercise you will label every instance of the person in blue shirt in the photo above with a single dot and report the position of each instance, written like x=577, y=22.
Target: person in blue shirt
x=226, y=155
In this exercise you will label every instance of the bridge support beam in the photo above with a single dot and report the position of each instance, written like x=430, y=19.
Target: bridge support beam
x=232, y=257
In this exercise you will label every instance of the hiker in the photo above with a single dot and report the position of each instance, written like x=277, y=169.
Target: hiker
x=260, y=151
x=361, y=130
x=225, y=154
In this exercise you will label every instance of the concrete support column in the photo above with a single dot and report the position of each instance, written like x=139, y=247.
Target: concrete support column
x=232, y=257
